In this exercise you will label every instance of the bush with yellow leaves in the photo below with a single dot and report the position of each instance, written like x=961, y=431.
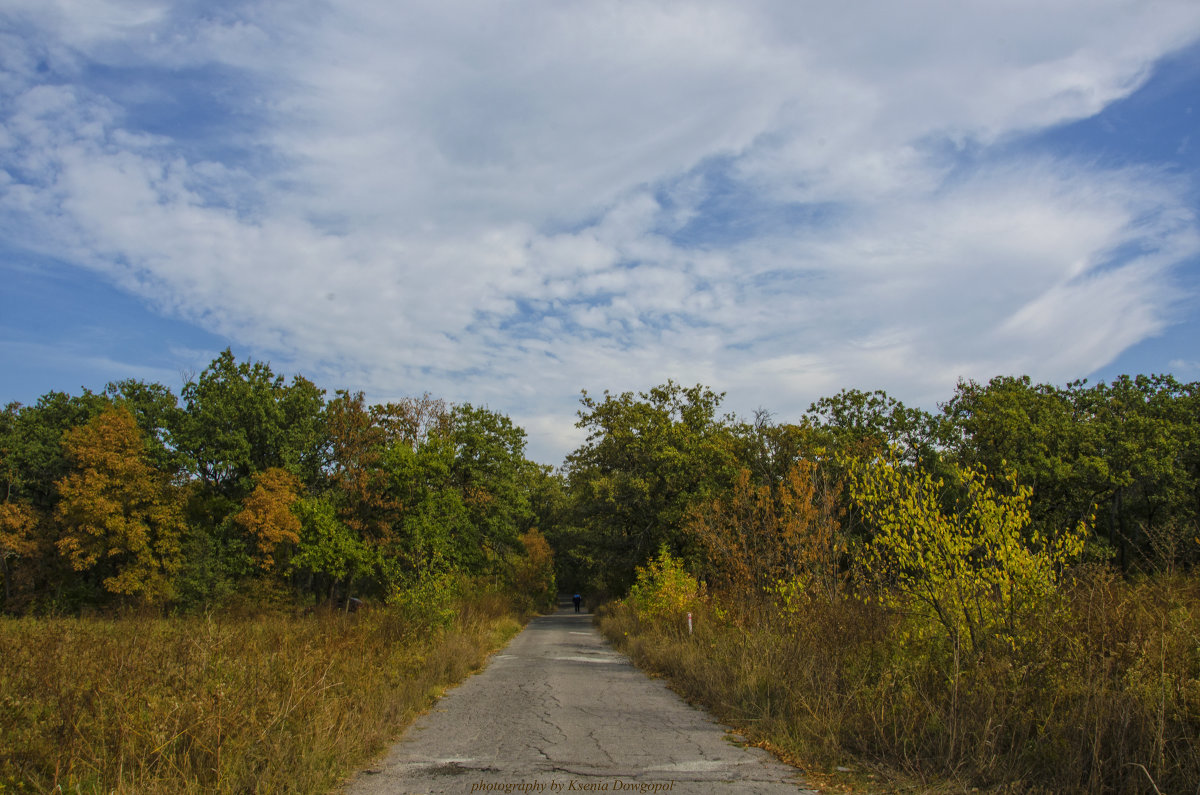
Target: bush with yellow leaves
x=664, y=591
x=961, y=554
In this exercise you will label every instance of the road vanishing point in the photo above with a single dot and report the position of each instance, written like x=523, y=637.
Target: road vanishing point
x=558, y=710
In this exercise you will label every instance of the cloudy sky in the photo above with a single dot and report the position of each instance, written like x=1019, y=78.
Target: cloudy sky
x=507, y=201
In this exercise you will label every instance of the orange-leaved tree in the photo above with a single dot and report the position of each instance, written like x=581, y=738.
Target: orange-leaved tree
x=120, y=517
x=533, y=572
x=760, y=538
x=267, y=516
x=17, y=522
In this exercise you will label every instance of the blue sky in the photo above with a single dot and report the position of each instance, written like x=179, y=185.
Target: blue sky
x=507, y=202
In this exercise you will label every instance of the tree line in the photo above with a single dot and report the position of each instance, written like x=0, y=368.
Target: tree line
x=999, y=593
x=667, y=468
x=246, y=483
x=136, y=495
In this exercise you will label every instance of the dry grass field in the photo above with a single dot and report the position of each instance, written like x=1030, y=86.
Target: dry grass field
x=1099, y=694
x=275, y=703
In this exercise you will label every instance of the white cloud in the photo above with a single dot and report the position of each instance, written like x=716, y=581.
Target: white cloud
x=492, y=201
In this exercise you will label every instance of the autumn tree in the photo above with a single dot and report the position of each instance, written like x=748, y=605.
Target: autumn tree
x=17, y=523
x=267, y=517
x=119, y=516
x=357, y=446
x=239, y=419
x=412, y=420
x=533, y=571
x=17, y=515
x=959, y=554
x=757, y=537
x=32, y=460
x=663, y=590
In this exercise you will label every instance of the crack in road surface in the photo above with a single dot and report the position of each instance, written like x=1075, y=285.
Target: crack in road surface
x=560, y=711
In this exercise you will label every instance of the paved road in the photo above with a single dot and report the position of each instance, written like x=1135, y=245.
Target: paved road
x=559, y=711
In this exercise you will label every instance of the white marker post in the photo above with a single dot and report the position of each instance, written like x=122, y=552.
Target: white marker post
x=689, y=623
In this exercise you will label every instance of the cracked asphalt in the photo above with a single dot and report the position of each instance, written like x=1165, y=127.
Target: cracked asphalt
x=558, y=710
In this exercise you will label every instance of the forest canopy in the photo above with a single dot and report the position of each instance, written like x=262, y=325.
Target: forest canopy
x=250, y=484
x=660, y=467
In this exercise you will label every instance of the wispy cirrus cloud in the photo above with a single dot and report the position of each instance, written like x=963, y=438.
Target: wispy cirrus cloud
x=504, y=203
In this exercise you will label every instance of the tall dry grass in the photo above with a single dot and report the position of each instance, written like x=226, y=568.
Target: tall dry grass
x=222, y=704
x=1100, y=693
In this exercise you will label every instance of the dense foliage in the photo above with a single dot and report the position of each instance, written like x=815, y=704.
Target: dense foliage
x=1120, y=459
x=1001, y=592
x=249, y=486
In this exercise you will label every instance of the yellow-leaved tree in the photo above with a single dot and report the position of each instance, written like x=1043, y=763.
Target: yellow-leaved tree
x=961, y=554
x=17, y=522
x=533, y=572
x=267, y=516
x=119, y=516
x=664, y=591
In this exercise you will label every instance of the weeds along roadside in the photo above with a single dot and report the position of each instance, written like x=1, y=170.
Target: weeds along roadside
x=1100, y=692
x=223, y=703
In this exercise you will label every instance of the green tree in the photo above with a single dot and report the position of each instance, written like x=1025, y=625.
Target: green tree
x=646, y=459
x=860, y=421
x=1146, y=432
x=157, y=412
x=1126, y=451
x=240, y=418
x=33, y=451
x=305, y=440
x=492, y=475
x=329, y=554
x=435, y=524
x=769, y=450
x=1034, y=432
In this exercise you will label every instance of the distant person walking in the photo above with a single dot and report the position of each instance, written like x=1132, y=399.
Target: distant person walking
x=578, y=600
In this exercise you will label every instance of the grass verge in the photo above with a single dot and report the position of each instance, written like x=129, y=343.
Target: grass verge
x=223, y=704
x=1099, y=694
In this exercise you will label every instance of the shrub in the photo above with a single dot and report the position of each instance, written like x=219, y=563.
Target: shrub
x=663, y=590
x=975, y=567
